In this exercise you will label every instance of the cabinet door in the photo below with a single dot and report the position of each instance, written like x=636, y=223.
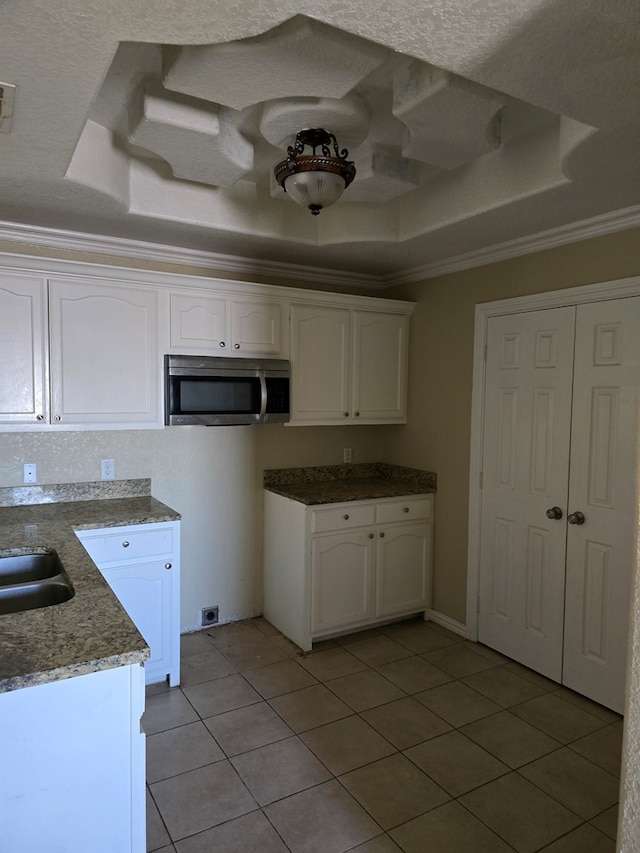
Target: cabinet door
x=141, y=563
x=23, y=350
x=199, y=323
x=379, y=367
x=144, y=590
x=341, y=580
x=320, y=364
x=256, y=328
x=104, y=359
x=403, y=568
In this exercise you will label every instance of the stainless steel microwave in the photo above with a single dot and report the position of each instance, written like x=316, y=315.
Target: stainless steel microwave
x=213, y=391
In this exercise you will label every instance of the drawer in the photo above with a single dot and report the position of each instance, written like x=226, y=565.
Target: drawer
x=124, y=544
x=342, y=518
x=405, y=509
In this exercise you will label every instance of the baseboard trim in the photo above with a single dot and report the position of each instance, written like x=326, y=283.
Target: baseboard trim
x=448, y=623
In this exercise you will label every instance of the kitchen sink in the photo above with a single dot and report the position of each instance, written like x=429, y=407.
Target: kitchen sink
x=28, y=581
x=21, y=568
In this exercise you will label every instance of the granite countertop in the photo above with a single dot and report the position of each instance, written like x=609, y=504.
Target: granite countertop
x=357, y=482
x=92, y=631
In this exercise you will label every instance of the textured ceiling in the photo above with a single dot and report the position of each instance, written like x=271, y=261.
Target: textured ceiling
x=471, y=124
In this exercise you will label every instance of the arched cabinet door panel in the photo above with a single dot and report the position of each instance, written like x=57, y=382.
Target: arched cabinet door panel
x=104, y=357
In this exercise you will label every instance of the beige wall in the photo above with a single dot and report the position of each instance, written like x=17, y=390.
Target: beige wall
x=441, y=361
x=213, y=477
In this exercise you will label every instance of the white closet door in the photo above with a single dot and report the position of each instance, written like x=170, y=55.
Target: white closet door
x=527, y=421
x=602, y=488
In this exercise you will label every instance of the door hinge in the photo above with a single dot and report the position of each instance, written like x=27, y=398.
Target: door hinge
x=7, y=97
x=486, y=350
x=481, y=478
x=477, y=604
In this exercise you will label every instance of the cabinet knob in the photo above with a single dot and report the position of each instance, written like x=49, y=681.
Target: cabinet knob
x=57, y=418
x=405, y=509
x=125, y=544
x=357, y=414
x=222, y=344
x=371, y=536
x=382, y=535
x=39, y=417
x=236, y=346
x=346, y=516
x=167, y=565
x=346, y=414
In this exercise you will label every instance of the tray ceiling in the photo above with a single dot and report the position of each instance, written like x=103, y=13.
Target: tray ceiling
x=470, y=124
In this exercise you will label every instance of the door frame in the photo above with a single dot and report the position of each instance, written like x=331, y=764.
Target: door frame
x=599, y=292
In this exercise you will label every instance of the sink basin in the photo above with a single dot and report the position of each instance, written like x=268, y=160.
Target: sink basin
x=28, y=581
x=28, y=596
x=22, y=568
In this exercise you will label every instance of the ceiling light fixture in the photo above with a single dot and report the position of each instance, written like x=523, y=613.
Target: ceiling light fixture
x=315, y=180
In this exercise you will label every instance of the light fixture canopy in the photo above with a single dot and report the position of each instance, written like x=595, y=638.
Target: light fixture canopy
x=315, y=180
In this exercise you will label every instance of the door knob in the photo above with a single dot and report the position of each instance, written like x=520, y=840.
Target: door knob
x=576, y=518
x=555, y=512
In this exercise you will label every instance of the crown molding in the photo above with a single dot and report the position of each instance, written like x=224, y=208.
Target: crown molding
x=120, y=247
x=586, y=229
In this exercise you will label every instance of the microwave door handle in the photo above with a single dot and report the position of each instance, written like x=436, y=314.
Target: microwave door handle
x=263, y=397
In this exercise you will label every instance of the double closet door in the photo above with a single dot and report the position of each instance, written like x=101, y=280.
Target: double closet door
x=558, y=492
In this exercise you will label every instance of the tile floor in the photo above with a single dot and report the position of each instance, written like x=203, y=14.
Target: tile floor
x=404, y=738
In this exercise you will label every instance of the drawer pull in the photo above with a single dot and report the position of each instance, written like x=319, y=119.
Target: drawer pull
x=405, y=509
x=346, y=516
x=125, y=544
x=167, y=565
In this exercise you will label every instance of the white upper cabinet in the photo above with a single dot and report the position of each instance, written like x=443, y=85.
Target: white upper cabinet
x=81, y=346
x=379, y=390
x=88, y=358
x=213, y=324
x=104, y=354
x=320, y=364
x=23, y=349
x=348, y=366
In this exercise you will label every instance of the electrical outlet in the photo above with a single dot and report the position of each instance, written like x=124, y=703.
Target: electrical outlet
x=346, y=454
x=30, y=472
x=107, y=469
x=209, y=615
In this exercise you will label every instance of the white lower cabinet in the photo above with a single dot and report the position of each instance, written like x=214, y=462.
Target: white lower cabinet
x=72, y=775
x=141, y=564
x=342, y=578
x=337, y=567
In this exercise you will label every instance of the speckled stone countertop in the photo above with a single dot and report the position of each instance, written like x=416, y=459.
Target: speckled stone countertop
x=357, y=482
x=92, y=631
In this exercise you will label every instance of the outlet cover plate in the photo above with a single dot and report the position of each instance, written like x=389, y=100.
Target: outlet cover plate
x=209, y=615
x=107, y=469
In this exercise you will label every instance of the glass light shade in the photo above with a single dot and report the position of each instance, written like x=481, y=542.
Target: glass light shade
x=315, y=189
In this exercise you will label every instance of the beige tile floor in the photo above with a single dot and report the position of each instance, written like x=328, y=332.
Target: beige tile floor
x=406, y=738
